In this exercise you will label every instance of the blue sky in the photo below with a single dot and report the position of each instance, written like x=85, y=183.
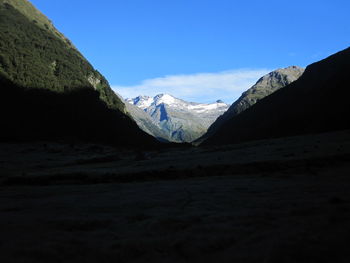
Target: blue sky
x=180, y=43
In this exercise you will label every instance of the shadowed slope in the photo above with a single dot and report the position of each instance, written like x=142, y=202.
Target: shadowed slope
x=265, y=86
x=39, y=114
x=50, y=91
x=316, y=102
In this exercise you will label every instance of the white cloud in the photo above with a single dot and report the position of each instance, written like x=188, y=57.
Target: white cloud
x=201, y=87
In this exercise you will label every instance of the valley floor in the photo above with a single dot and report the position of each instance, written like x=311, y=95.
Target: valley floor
x=281, y=200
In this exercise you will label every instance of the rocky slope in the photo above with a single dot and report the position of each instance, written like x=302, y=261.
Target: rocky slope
x=265, y=86
x=146, y=123
x=175, y=119
x=49, y=90
x=316, y=102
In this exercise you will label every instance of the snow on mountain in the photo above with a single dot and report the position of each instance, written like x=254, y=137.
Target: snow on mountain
x=142, y=102
x=146, y=102
x=180, y=120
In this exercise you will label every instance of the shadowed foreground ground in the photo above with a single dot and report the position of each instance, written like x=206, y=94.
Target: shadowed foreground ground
x=284, y=200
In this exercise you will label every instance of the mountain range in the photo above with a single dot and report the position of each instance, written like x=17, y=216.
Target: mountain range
x=168, y=118
x=50, y=91
x=172, y=119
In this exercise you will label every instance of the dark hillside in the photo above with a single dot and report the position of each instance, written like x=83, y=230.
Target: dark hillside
x=317, y=102
x=40, y=114
x=50, y=91
x=265, y=86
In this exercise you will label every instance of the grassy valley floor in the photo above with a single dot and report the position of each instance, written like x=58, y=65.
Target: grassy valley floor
x=281, y=200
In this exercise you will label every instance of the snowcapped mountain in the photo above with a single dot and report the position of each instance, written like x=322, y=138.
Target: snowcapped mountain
x=178, y=120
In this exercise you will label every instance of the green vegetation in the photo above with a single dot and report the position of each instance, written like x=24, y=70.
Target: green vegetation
x=34, y=15
x=34, y=55
x=49, y=91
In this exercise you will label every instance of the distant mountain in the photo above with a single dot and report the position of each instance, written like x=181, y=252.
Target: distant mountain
x=316, y=102
x=265, y=86
x=175, y=119
x=49, y=90
x=145, y=121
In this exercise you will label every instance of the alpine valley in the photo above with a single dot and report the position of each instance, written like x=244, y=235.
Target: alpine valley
x=168, y=118
x=86, y=176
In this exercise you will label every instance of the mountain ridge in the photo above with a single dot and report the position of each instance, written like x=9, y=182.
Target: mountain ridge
x=37, y=17
x=33, y=56
x=179, y=120
x=49, y=90
x=321, y=95
x=264, y=87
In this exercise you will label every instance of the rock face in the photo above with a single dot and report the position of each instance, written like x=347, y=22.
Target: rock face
x=174, y=119
x=264, y=87
x=50, y=91
x=316, y=102
x=145, y=121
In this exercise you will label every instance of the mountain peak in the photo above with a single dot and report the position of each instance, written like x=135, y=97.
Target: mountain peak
x=278, y=78
x=317, y=102
x=290, y=69
x=165, y=98
x=182, y=121
x=141, y=101
x=265, y=86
